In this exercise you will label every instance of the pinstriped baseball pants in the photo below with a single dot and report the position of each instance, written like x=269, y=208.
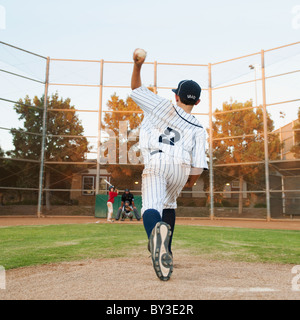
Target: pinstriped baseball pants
x=162, y=181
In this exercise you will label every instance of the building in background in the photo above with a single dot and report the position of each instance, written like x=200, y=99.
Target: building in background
x=285, y=175
x=287, y=136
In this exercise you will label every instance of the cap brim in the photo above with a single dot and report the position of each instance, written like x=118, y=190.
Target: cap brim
x=174, y=90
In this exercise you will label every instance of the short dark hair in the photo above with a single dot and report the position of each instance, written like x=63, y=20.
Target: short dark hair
x=187, y=102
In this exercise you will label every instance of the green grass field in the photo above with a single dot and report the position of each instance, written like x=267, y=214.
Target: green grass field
x=33, y=245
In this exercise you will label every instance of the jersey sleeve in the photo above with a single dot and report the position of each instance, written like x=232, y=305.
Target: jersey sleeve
x=146, y=99
x=198, y=152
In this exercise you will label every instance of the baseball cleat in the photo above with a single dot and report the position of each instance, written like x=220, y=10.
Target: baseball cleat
x=161, y=257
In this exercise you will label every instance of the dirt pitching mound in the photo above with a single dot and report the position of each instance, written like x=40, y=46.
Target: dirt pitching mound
x=134, y=278
x=194, y=278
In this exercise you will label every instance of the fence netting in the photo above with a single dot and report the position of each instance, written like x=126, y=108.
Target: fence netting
x=82, y=111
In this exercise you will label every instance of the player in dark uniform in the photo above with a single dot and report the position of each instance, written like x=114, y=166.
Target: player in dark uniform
x=128, y=196
x=127, y=211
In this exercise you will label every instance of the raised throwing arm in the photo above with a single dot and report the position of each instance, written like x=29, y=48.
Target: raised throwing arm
x=136, y=81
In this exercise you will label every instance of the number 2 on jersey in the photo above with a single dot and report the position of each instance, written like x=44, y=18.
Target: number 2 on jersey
x=167, y=139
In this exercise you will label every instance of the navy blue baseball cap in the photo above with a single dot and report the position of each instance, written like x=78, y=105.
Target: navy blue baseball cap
x=188, y=90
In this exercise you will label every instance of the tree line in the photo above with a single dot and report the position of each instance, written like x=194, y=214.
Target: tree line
x=237, y=133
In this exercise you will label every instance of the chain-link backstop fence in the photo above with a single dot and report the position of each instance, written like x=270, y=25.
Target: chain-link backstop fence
x=49, y=146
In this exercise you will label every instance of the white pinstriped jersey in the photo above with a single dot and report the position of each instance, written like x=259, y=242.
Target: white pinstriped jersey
x=169, y=129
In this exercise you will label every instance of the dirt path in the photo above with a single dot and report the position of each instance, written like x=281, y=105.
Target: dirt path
x=133, y=278
x=238, y=223
x=194, y=278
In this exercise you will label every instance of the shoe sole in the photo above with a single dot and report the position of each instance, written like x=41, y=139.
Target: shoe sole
x=161, y=257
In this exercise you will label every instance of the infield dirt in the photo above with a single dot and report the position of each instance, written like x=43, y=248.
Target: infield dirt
x=194, y=278
x=134, y=278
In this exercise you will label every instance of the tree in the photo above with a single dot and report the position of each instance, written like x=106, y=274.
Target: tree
x=9, y=174
x=123, y=175
x=245, y=126
x=64, y=141
x=296, y=148
x=3, y=170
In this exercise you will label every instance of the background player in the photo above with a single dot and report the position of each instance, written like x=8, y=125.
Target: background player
x=127, y=211
x=128, y=196
x=172, y=142
x=111, y=199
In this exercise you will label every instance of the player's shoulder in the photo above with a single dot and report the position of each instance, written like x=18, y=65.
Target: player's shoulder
x=198, y=124
x=200, y=129
x=142, y=90
x=200, y=133
x=145, y=92
x=188, y=118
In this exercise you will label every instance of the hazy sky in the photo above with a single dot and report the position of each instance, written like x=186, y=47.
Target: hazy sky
x=187, y=31
x=171, y=30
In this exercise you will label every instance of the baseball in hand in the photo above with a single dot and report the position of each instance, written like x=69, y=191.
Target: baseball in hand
x=140, y=53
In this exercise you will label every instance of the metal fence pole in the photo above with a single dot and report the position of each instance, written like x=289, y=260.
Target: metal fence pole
x=211, y=175
x=42, y=161
x=155, y=77
x=99, y=127
x=265, y=135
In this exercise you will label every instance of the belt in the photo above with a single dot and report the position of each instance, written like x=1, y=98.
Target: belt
x=155, y=152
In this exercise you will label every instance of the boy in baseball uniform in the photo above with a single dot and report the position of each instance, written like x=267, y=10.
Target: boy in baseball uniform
x=111, y=199
x=172, y=142
x=127, y=211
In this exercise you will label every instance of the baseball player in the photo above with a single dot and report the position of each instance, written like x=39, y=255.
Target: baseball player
x=127, y=211
x=172, y=142
x=111, y=199
x=128, y=196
